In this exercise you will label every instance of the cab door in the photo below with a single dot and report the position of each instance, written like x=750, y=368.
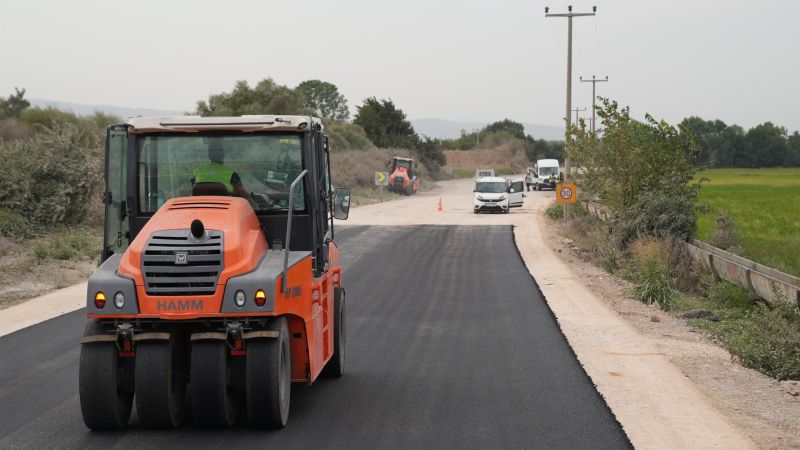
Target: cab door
x=116, y=233
x=515, y=194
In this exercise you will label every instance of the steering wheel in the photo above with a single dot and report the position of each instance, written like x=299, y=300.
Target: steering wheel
x=264, y=201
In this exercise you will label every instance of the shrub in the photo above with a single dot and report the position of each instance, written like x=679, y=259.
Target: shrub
x=653, y=277
x=725, y=235
x=658, y=215
x=643, y=171
x=41, y=251
x=556, y=211
x=13, y=225
x=767, y=340
x=51, y=178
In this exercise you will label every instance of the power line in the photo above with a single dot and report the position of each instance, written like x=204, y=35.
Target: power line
x=576, y=111
x=598, y=43
x=594, y=81
x=569, y=15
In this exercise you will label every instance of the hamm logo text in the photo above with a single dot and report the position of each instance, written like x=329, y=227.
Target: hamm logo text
x=179, y=305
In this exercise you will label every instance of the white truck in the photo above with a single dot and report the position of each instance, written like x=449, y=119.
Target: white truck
x=545, y=174
x=497, y=194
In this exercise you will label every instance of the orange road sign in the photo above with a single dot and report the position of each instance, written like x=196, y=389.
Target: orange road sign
x=566, y=193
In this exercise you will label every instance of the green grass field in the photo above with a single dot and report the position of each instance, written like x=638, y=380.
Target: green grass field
x=765, y=206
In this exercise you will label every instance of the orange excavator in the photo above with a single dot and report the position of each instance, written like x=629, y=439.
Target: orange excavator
x=403, y=177
x=221, y=282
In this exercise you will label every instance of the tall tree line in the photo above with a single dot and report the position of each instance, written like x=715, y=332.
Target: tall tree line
x=764, y=145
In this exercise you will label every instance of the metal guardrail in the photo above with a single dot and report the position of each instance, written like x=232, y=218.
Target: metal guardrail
x=760, y=281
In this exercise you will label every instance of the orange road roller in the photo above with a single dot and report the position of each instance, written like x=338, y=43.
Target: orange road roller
x=220, y=283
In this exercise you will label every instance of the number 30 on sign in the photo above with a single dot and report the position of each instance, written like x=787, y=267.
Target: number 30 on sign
x=566, y=193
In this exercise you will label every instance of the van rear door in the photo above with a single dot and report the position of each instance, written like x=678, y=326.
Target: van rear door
x=515, y=194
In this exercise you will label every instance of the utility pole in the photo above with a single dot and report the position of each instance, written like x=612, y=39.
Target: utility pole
x=594, y=81
x=569, y=15
x=576, y=111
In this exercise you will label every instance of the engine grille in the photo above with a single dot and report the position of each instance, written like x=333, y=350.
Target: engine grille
x=174, y=263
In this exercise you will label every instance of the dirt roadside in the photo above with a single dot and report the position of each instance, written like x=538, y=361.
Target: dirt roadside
x=766, y=410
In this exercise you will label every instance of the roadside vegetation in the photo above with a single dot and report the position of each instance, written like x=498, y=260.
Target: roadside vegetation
x=646, y=174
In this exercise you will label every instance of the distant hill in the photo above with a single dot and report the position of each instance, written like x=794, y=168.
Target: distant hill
x=85, y=110
x=448, y=129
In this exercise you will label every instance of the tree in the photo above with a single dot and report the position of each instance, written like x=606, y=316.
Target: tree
x=765, y=146
x=793, y=144
x=707, y=133
x=267, y=97
x=643, y=171
x=385, y=124
x=515, y=129
x=13, y=106
x=324, y=100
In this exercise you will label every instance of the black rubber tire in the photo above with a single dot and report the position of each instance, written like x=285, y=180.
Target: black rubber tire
x=162, y=369
x=335, y=366
x=105, y=403
x=268, y=378
x=213, y=399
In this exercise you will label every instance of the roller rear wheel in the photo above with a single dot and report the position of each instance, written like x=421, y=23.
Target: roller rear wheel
x=268, y=378
x=106, y=399
x=335, y=366
x=162, y=372
x=214, y=402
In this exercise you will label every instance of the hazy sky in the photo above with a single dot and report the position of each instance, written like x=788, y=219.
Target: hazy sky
x=738, y=61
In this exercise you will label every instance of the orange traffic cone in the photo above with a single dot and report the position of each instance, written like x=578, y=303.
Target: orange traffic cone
x=440, y=205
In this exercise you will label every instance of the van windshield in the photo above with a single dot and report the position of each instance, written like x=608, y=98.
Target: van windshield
x=548, y=171
x=491, y=187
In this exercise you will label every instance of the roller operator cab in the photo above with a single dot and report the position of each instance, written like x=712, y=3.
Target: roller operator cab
x=220, y=283
x=403, y=176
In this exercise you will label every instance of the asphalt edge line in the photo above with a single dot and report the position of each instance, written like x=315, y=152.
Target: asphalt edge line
x=649, y=438
x=43, y=308
x=563, y=336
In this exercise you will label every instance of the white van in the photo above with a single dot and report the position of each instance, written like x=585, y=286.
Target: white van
x=497, y=194
x=546, y=174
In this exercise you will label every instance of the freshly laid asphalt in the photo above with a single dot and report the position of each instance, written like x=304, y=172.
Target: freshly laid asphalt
x=449, y=345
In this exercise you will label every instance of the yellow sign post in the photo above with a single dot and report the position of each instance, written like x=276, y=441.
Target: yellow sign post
x=566, y=193
x=381, y=179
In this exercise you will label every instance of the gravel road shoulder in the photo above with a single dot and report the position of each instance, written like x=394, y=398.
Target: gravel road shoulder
x=764, y=409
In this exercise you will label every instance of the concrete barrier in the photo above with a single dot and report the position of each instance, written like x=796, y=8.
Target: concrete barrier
x=761, y=281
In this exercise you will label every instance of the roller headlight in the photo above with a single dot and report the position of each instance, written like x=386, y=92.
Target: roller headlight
x=119, y=300
x=239, y=298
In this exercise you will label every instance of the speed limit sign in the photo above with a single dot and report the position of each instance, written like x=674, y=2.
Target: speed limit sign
x=565, y=193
